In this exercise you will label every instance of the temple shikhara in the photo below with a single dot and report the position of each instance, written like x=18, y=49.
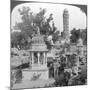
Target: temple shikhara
x=66, y=24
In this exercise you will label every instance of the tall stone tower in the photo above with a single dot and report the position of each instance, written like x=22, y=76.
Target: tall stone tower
x=65, y=24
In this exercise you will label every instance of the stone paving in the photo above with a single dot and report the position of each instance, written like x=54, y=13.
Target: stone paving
x=33, y=84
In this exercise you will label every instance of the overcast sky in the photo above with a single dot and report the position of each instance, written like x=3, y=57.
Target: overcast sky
x=77, y=18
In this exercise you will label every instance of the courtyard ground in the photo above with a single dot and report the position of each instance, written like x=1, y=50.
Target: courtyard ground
x=34, y=84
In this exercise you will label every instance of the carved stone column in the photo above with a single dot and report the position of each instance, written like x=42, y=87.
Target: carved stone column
x=38, y=57
x=32, y=58
x=66, y=59
x=44, y=59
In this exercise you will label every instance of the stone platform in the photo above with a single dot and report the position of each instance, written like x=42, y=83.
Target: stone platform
x=33, y=84
x=34, y=74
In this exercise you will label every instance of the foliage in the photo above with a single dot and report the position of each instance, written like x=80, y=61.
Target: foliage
x=62, y=79
x=15, y=38
x=31, y=20
x=75, y=34
x=18, y=39
x=81, y=79
x=84, y=36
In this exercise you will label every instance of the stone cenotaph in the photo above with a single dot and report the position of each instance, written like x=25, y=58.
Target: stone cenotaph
x=38, y=60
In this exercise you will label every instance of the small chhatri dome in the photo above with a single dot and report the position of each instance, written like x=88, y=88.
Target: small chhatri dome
x=38, y=43
x=80, y=42
x=38, y=39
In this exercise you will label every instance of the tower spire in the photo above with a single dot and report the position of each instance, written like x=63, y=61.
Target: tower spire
x=65, y=24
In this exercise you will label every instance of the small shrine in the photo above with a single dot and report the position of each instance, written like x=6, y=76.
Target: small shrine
x=38, y=59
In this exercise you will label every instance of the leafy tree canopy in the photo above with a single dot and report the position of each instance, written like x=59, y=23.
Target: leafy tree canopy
x=76, y=34
x=31, y=20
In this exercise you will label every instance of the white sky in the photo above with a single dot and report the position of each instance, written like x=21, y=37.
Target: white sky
x=77, y=18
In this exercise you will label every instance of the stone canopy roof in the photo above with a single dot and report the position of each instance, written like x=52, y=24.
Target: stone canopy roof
x=38, y=39
x=38, y=43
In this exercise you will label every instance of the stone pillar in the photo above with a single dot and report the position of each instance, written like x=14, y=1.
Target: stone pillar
x=66, y=59
x=32, y=58
x=81, y=50
x=54, y=72
x=44, y=60
x=38, y=57
x=78, y=61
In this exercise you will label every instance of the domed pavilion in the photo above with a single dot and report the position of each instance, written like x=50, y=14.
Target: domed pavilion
x=38, y=59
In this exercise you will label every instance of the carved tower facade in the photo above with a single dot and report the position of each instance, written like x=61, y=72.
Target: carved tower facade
x=65, y=24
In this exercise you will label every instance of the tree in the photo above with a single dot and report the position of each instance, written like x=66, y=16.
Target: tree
x=19, y=39
x=30, y=20
x=75, y=34
x=62, y=79
x=15, y=39
x=84, y=36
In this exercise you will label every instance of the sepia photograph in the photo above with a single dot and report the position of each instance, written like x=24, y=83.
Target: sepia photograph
x=48, y=44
